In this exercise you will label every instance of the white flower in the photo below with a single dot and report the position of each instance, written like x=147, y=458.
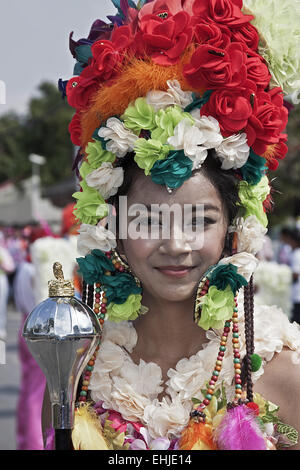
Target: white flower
x=278, y=25
x=250, y=234
x=127, y=401
x=189, y=138
x=173, y=96
x=119, y=139
x=181, y=98
x=186, y=379
x=165, y=417
x=245, y=262
x=147, y=378
x=111, y=357
x=93, y=237
x=211, y=129
x=101, y=387
x=106, y=179
x=233, y=151
x=122, y=333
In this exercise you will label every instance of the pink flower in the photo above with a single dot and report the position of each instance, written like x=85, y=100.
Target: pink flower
x=146, y=443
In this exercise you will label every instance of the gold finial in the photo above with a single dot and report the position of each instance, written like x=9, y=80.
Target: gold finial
x=58, y=272
x=60, y=287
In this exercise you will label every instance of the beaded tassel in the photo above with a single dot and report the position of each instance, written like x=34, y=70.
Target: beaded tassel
x=199, y=413
x=236, y=353
x=95, y=297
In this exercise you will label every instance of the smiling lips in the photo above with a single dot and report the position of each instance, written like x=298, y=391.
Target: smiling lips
x=175, y=271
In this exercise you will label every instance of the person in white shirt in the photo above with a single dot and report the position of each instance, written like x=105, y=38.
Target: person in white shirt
x=295, y=266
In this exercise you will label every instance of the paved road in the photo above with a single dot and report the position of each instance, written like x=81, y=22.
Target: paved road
x=9, y=383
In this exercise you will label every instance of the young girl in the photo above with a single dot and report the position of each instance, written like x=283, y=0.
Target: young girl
x=177, y=110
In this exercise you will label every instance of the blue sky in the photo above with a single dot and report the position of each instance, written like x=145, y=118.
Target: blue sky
x=34, y=37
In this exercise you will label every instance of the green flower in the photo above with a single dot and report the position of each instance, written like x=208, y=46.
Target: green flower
x=147, y=152
x=93, y=266
x=85, y=169
x=129, y=310
x=138, y=116
x=119, y=287
x=252, y=198
x=90, y=206
x=225, y=275
x=166, y=120
x=96, y=155
x=254, y=168
x=83, y=53
x=172, y=171
x=216, y=307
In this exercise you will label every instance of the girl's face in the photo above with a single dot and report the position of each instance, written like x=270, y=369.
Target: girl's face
x=152, y=260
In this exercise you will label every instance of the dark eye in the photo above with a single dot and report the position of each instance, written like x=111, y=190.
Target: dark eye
x=208, y=220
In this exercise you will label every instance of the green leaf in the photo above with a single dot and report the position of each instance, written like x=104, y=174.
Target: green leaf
x=196, y=401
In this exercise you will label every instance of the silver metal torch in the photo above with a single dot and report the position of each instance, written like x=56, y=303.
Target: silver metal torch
x=62, y=334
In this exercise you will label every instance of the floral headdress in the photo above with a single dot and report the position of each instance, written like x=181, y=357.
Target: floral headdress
x=169, y=80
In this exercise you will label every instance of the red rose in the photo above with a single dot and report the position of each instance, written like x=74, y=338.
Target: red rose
x=79, y=89
x=107, y=55
x=247, y=34
x=75, y=130
x=213, y=67
x=213, y=34
x=227, y=12
x=231, y=108
x=123, y=39
x=277, y=152
x=257, y=70
x=105, y=59
x=161, y=6
x=268, y=120
x=166, y=38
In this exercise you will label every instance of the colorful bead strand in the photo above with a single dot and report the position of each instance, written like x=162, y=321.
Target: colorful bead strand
x=236, y=354
x=87, y=376
x=215, y=375
x=198, y=413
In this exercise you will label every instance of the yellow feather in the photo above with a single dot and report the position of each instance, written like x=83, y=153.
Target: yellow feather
x=87, y=432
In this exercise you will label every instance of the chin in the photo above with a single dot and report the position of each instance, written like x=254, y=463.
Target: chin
x=176, y=293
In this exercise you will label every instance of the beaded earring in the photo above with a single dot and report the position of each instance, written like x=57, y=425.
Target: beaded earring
x=242, y=374
x=94, y=296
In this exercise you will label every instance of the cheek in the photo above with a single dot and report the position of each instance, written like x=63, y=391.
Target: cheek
x=213, y=242
x=139, y=250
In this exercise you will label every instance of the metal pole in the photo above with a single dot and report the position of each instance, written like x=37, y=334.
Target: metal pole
x=63, y=440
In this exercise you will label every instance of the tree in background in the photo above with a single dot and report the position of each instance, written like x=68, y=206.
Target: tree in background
x=287, y=178
x=44, y=131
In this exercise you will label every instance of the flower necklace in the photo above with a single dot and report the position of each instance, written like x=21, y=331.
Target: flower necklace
x=198, y=412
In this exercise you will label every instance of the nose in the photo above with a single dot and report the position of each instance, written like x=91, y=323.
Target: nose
x=176, y=244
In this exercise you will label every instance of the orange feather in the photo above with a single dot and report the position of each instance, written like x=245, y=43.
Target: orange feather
x=197, y=436
x=137, y=78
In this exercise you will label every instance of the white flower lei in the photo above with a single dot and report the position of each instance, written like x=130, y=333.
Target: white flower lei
x=133, y=389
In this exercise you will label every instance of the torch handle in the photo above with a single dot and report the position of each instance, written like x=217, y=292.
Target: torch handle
x=63, y=439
